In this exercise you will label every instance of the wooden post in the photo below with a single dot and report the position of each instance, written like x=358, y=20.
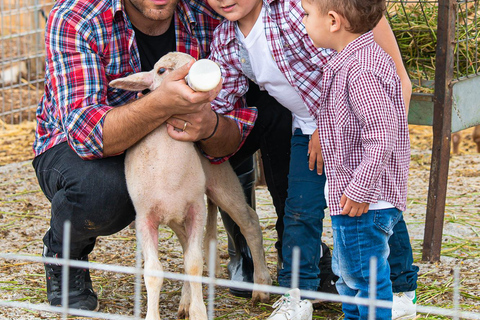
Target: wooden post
x=442, y=123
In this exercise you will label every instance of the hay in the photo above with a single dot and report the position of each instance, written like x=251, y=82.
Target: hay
x=415, y=26
x=16, y=142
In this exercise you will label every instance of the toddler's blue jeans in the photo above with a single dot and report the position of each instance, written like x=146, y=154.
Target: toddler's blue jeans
x=355, y=241
x=304, y=213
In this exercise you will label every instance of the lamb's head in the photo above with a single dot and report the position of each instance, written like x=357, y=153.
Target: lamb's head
x=152, y=79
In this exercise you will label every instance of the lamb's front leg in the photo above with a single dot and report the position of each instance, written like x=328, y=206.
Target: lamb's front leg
x=148, y=233
x=193, y=258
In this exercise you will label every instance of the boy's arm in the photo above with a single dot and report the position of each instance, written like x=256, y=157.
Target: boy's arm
x=385, y=38
x=236, y=120
x=352, y=208
x=315, y=158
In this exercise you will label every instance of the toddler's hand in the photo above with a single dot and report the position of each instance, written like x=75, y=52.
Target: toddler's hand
x=352, y=208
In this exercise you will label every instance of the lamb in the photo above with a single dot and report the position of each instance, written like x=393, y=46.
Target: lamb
x=167, y=180
x=13, y=74
x=457, y=137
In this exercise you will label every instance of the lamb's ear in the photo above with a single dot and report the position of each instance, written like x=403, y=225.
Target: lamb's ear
x=134, y=82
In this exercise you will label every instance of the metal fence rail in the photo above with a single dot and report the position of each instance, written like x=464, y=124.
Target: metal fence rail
x=439, y=42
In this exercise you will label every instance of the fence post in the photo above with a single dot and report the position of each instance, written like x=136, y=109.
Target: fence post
x=442, y=123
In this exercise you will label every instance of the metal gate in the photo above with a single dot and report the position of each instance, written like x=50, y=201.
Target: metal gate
x=439, y=44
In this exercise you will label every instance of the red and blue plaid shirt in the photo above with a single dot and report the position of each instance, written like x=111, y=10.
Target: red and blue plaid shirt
x=291, y=48
x=363, y=127
x=88, y=44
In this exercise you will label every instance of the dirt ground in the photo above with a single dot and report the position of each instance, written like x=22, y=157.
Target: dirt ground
x=24, y=218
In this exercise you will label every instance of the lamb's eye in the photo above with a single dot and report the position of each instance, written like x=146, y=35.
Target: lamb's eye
x=161, y=70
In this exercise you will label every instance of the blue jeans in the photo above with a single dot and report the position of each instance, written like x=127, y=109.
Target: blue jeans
x=304, y=213
x=355, y=241
x=305, y=208
x=403, y=272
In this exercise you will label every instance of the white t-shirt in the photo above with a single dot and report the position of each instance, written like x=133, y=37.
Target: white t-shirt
x=269, y=76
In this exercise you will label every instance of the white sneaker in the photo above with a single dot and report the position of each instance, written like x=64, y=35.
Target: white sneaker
x=403, y=307
x=291, y=307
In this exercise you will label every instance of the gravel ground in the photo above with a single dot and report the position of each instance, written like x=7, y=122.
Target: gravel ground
x=24, y=217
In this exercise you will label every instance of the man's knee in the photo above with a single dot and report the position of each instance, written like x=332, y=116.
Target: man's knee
x=93, y=195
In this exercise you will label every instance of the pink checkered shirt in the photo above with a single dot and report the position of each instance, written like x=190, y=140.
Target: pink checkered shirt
x=363, y=127
x=293, y=51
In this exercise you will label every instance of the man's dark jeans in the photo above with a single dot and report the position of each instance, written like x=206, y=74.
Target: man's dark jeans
x=91, y=194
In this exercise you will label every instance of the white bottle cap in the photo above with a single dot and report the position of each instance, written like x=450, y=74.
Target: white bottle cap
x=204, y=75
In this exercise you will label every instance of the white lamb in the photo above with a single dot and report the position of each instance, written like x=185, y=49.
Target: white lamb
x=167, y=180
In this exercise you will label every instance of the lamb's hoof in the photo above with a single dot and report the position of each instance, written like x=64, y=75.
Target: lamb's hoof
x=182, y=313
x=260, y=296
x=198, y=313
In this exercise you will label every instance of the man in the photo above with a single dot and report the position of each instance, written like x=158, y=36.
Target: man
x=83, y=126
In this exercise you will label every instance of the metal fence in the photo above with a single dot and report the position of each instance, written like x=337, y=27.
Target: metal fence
x=439, y=43
x=22, y=54
x=212, y=282
x=416, y=24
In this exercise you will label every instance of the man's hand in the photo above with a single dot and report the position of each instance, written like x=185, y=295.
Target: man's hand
x=176, y=97
x=192, y=126
x=352, y=208
x=315, y=153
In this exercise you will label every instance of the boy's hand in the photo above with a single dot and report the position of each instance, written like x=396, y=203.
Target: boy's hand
x=352, y=208
x=315, y=153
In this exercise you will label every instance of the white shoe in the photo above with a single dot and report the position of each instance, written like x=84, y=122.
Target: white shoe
x=403, y=307
x=291, y=307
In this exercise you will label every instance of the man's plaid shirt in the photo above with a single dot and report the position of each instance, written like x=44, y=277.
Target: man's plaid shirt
x=88, y=44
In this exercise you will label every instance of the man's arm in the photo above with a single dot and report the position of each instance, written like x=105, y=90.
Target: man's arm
x=79, y=85
x=125, y=125
x=385, y=38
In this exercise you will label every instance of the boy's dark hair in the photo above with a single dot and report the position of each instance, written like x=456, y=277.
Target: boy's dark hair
x=362, y=15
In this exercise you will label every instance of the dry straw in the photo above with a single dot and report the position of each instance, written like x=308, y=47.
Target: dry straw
x=415, y=26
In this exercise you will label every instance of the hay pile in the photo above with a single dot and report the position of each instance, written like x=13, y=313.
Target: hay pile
x=415, y=26
x=16, y=142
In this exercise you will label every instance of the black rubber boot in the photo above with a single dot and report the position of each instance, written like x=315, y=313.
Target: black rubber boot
x=327, y=277
x=240, y=267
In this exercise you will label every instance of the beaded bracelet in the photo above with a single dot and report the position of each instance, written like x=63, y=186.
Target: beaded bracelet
x=214, y=130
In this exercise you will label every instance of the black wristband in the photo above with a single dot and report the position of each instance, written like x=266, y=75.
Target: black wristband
x=215, y=129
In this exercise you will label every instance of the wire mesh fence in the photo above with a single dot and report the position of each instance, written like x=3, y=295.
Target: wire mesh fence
x=22, y=57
